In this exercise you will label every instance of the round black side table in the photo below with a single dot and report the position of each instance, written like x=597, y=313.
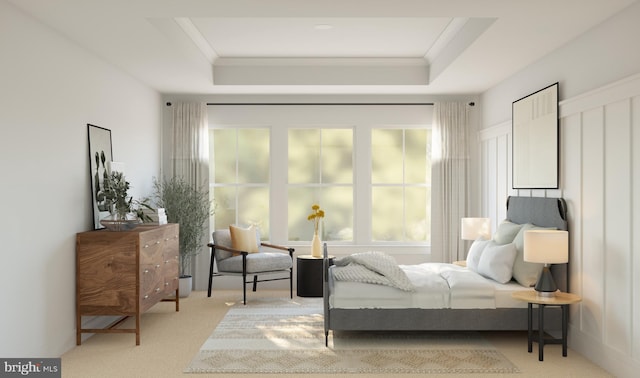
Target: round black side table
x=309, y=275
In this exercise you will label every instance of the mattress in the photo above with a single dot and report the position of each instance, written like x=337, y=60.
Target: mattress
x=438, y=285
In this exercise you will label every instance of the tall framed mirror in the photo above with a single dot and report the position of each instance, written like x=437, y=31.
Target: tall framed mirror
x=535, y=134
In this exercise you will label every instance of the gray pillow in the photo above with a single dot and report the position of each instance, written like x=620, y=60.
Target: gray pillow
x=506, y=232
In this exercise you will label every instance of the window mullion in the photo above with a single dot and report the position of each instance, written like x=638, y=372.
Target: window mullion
x=362, y=188
x=237, y=180
x=278, y=193
x=404, y=184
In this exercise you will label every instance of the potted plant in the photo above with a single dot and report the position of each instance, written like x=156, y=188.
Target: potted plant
x=125, y=212
x=190, y=207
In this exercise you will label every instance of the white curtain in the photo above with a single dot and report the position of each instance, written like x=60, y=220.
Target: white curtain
x=190, y=155
x=449, y=180
x=190, y=160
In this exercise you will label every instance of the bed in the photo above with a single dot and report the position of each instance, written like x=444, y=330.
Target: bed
x=358, y=306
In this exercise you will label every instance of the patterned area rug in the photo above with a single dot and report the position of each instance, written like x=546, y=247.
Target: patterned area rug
x=287, y=336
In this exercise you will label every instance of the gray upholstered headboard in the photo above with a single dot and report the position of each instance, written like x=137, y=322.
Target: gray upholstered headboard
x=543, y=212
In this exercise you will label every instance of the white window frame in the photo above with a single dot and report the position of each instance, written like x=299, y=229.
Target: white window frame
x=279, y=125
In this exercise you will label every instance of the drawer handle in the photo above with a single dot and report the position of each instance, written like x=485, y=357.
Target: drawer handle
x=157, y=266
x=146, y=271
x=157, y=289
x=158, y=242
x=146, y=297
x=146, y=245
x=166, y=284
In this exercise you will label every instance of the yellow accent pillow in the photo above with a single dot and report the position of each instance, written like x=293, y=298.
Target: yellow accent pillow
x=243, y=239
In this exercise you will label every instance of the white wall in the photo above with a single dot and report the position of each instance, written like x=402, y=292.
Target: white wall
x=600, y=176
x=605, y=54
x=50, y=89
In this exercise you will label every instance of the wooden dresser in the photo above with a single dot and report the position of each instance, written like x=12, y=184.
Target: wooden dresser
x=124, y=273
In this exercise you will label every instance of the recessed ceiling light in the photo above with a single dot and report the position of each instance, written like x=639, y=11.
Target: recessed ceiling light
x=323, y=26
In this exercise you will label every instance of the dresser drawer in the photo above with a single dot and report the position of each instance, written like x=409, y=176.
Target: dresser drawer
x=170, y=273
x=151, y=285
x=151, y=244
x=171, y=237
x=151, y=277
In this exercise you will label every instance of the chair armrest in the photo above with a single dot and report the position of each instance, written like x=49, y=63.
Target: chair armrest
x=228, y=249
x=280, y=247
x=274, y=246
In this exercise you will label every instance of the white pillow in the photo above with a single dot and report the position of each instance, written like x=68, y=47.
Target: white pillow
x=526, y=273
x=496, y=262
x=473, y=257
x=506, y=232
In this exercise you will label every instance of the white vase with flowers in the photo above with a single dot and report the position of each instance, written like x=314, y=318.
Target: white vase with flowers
x=316, y=244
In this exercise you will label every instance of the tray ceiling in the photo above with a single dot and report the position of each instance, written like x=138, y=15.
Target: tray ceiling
x=330, y=46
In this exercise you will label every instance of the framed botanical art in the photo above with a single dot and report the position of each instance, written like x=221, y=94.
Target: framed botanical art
x=535, y=136
x=100, y=154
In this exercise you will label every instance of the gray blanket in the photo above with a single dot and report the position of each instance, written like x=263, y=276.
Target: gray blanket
x=372, y=267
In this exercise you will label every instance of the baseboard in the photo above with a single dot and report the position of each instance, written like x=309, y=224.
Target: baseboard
x=612, y=360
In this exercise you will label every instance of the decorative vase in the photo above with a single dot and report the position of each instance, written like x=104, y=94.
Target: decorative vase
x=316, y=246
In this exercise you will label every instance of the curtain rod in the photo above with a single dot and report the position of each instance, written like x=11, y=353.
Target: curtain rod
x=322, y=103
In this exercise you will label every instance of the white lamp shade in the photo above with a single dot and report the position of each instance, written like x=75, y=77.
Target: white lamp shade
x=474, y=228
x=546, y=246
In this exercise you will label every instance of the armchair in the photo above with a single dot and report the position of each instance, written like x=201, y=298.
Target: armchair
x=248, y=259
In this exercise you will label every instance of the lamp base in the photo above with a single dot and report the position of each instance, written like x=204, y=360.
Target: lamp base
x=546, y=294
x=546, y=286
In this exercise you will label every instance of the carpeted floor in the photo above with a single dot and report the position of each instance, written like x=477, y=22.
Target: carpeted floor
x=170, y=340
x=273, y=335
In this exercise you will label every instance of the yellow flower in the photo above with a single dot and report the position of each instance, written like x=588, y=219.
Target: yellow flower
x=315, y=216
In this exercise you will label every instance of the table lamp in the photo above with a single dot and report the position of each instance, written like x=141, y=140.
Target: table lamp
x=473, y=228
x=547, y=247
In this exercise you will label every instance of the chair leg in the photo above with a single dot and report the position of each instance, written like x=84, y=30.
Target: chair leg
x=244, y=279
x=213, y=252
x=244, y=293
x=255, y=282
x=291, y=283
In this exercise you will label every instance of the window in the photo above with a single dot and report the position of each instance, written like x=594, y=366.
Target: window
x=320, y=171
x=367, y=166
x=239, y=177
x=400, y=185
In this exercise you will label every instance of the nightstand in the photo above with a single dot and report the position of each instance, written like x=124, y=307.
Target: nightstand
x=560, y=299
x=309, y=275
